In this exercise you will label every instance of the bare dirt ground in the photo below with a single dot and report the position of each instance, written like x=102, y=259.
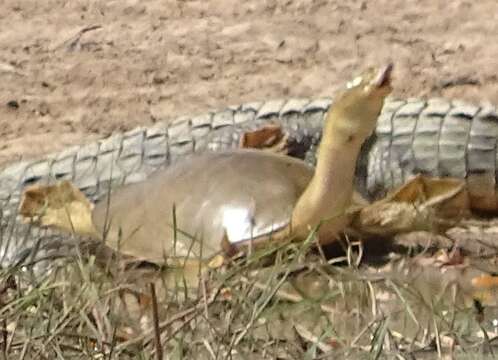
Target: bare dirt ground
x=73, y=71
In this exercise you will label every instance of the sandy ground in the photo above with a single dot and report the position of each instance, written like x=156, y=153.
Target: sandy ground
x=74, y=70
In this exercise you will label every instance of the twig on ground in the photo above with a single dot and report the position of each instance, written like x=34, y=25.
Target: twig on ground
x=72, y=43
x=155, y=318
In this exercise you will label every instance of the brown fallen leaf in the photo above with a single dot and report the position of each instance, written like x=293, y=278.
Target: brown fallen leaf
x=485, y=288
x=481, y=187
x=423, y=203
x=485, y=282
x=61, y=205
x=270, y=137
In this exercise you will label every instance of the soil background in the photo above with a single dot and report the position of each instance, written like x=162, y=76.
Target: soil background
x=72, y=71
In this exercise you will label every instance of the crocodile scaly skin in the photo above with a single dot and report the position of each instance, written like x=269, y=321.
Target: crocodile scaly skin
x=436, y=137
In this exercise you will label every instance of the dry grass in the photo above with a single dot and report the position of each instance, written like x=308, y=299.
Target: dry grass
x=283, y=303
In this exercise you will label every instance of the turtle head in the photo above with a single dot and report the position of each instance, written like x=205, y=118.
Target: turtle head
x=356, y=109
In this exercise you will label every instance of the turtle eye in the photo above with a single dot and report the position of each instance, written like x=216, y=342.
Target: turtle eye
x=355, y=82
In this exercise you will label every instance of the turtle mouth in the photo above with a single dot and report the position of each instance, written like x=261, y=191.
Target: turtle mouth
x=383, y=78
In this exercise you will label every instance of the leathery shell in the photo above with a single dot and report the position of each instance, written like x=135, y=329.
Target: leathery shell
x=244, y=194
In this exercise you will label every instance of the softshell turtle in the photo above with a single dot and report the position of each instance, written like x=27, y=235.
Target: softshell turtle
x=200, y=206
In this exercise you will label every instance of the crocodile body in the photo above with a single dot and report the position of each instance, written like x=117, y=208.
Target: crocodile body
x=436, y=137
